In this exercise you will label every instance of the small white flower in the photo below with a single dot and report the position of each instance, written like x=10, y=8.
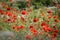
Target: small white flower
x=18, y=16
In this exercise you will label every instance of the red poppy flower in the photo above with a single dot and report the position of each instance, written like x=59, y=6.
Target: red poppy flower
x=24, y=12
x=14, y=17
x=56, y=31
x=54, y=26
x=9, y=20
x=49, y=16
x=22, y=18
x=18, y=28
x=49, y=11
x=33, y=31
x=1, y=10
x=13, y=26
x=56, y=20
x=21, y=27
x=46, y=28
x=55, y=17
x=8, y=8
x=43, y=14
x=9, y=13
x=13, y=20
x=28, y=37
x=54, y=35
x=35, y=20
x=43, y=23
x=49, y=29
x=31, y=26
x=41, y=33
